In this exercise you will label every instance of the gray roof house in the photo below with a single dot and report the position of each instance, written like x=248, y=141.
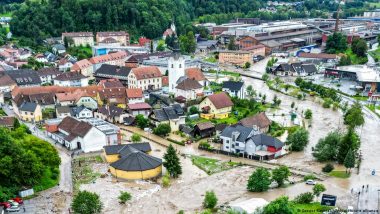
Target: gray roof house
x=250, y=143
x=173, y=115
x=234, y=89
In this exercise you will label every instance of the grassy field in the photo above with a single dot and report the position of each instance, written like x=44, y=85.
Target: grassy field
x=83, y=173
x=211, y=59
x=373, y=108
x=355, y=60
x=313, y=208
x=339, y=174
x=211, y=166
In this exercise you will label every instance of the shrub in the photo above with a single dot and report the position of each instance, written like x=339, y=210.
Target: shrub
x=176, y=142
x=166, y=181
x=308, y=114
x=328, y=168
x=309, y=177
x=210, y=200
x=135, y=138
x=124, y=197
x=304, y=198
x=327, y=103
x=162, y=129
x=204, y=145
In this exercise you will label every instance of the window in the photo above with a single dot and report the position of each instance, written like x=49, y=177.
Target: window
x=172, y=65
x=180, y=65
x=228, y=141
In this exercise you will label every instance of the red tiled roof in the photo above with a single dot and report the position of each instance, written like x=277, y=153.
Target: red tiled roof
x=138, y=106
x=188, y=84
x=108, y=57
x=195, y=73
x=146, y=72
x=82, y=64
x=261, y=120
x=134, y=93
x=318, y=55
x=221, y=100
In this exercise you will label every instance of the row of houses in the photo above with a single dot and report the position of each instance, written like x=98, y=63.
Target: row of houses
x=87, y=38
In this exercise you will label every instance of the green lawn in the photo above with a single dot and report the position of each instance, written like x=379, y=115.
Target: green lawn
x=360, y=98
x=375, y=54
x=313, y=208
x=80, y=52
x=211, y=59
x=211, y=166
x=372, y=108
x=48, y=180
x=228, y=73
x=355, y=60
x=339, y=174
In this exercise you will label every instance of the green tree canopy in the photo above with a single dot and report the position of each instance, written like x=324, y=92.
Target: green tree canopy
x=86, y=203
x=336, y=43
x=280, y=174
x=210, y=200
x=354, y=116
x=359, y=47
x=172, y=162
x=350, y=141
x=327, y=147
x=259, y=181
x=135, y=138
x=280, y=205
x=298, y=139
x=349, y=160
x=141, y=121
x=318, y=189
x=162, y=129
x=188, y=43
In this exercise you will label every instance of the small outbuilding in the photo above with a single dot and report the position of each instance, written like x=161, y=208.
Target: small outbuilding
x=203, y=130
x=250, y=206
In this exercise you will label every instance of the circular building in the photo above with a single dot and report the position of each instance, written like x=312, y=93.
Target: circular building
x=135, y=164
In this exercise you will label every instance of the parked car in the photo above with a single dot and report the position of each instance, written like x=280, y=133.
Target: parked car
x=13, y=203
x=5, y=204
x=13, y=209
x=311, y=182
x=258, y=58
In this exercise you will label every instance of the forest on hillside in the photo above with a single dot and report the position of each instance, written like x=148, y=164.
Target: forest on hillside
x=35, y=20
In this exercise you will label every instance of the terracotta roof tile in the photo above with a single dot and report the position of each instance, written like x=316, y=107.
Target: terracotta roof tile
x=146, y=72
x=134, y=93
x=137, y=106
x=221, y=100
x=195, y=73
x=261, y=120
x=318, y=55
x=82, y=64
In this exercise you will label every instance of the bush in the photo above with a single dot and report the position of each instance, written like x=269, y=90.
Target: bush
x=135, y=138
x=309, y=177
x=162, y=129
x=166, y=180
x=328, y=168
x=124, y=197
x=308, y=114
x=86, y=202
x=204, y=145
x=210, y=200
x=327, y=103
x=176, y=142
x=298, y=140
x=304, y=198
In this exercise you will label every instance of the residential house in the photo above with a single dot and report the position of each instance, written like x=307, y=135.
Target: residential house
x=112, y=72
x=206, y=46
x=6, y=82
x=81, y=112
x=58, y=49
x=132, y=62
x=235, y=57
x=7, y=122
x=256, y=50
x=30, y=112
x=206, y=129
x=45, y=100
x=47, y=75
x=318, y=57
x=234, y=89
x=216, y=106
x=78, y=97
x=235, y=137
x=146, y=78
x=110, y=83
x=84, y=67
x=134, y=95
x=41, y=58
x=121, y=37
x=139, y=108
x=71, y=79
x=63, y=111
x=197, y=74
x=169, y=32
x=79, y=38
x=24, y=77
x=113, y=96
x=259, y=122
x=189, y=89
x=77, y=135
x=173, y=115
x=109, y=113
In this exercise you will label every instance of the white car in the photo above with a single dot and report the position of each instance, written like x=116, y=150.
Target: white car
x=13, y=209
x=311, y=182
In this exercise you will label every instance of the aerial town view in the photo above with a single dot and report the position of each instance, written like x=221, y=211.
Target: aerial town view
x=189, y=106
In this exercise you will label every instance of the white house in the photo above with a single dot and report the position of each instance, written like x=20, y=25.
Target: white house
x=234, y=89
x=190, y=89
x=135, y=95
x=146, y=78
x=71, y=79
x=172, y=115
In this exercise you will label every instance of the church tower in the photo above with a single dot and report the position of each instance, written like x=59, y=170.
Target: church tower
x=176, y=67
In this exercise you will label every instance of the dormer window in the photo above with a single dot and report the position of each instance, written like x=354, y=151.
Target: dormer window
x=180, y=65
x=172, y=65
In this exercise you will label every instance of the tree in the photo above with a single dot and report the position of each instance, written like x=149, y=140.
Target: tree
x=350, y=141
x=86, y=203
x=318, y=189
x=124, y=197
x=327, y=147
x=277, y=81
x=172, y=162
x=251, y=92
x=259, y=180
x=336, y=43
x=193, y=110
x=247, y=65
x=354, y=116
x=141, y=121
x=328, y=168
x=279, y=205
x=188, y=43
x=298, y=139
x=308, y=114
x=345, y=60
x=349, y=160
x=265, y=77
x=162, y=129
x=231, y=44
x=359, y=47
x=16, y=123
x=135, y=138
x=280, y=174
x=210, y=200
x=160, y=45
x=292, y=105
x=304, y=198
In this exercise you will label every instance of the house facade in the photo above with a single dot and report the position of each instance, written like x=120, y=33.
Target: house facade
x=122, y=37
x=216, y=106
x=139, y=108
x=173, y=115
x=146, y=78
x=190, y=89
x=235, y=57
x=234, y=89
x=84, y=67
x=79, y=38
x=71, y=79
x=30, y=112
x=134, y=95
